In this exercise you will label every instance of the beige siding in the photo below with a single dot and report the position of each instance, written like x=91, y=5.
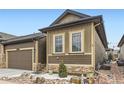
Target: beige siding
x=87, y=37
x=71, y=59
x=85, y=28
x=20, y=45
x=99, y=49
x=68, y=18
x=122, y=52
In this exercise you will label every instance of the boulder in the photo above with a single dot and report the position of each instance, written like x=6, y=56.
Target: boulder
x=38, y=80
x=4, y=78
x=75, y=80
x=25, y=75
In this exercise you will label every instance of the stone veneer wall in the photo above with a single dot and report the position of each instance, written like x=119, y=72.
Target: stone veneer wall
x=72, y=69
x=2, y=57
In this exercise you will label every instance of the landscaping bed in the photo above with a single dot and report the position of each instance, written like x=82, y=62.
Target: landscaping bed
x=113, y=76
x=29, y=78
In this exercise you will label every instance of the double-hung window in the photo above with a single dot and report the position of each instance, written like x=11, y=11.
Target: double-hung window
x=76, y=42
x=58, y=43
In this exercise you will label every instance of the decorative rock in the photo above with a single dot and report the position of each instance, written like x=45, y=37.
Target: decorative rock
x=76, y=80
x=33, y=79
x=25, y=75
x=56, y=81
x=91, y=81
x=4, y=78
x=38, y=80
x=31, y=76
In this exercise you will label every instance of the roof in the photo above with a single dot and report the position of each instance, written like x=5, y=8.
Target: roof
x=84, y=20
x=19, y=39
x=96, y=19
x=5, y=36
x=121, y=41
x=68, y=11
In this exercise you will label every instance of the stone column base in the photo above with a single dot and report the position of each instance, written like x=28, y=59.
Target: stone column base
x=38, y=67
x=2, y=65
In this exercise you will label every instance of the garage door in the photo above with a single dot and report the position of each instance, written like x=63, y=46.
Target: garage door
x=21, y=59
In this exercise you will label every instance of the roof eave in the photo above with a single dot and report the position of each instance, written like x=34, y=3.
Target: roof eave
x=21, y=40
x=121, y=41
x=104, y=39
x=44, y=30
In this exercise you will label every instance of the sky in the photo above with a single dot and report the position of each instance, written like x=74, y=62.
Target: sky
x=23, y=21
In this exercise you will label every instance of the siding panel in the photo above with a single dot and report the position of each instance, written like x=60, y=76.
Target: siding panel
x=87, y=37
x=20, y=45
x=70, y=59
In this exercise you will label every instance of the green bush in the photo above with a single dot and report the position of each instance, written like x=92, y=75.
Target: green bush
x=110, y=57
x=62, y=70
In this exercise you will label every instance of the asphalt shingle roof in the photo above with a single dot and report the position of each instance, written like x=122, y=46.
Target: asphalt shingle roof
x=5, y=36
x=24, y=38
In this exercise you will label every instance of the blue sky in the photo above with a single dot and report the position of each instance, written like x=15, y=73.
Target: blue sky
x=23, y=22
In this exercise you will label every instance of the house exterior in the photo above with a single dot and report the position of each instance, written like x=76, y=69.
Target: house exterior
x=3, y=37
x=121, y=45
x=77, y=39
x=25, y=52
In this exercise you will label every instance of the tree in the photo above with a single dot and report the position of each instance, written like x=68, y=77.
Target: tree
x=62, y=70
x=110, y=57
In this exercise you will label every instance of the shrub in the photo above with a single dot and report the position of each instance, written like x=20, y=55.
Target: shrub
x=110, y=57
x=62, y=70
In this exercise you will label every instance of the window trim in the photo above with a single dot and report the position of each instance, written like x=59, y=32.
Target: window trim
x=82, y=41
x=63, y=43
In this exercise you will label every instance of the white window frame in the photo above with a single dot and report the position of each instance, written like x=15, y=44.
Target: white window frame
x=63, y=43
x=82, y=41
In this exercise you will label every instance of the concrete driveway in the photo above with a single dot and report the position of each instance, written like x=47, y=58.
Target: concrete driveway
x=7, y=82
x=12, y=72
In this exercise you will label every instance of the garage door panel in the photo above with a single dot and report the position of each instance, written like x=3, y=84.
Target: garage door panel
x=20, y=59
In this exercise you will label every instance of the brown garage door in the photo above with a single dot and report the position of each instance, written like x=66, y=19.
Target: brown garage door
x=21, y=59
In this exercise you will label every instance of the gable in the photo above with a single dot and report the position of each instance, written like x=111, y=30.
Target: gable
x=68, y=18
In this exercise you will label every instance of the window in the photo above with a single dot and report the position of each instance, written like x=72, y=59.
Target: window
x=59, y=43
x=76, y=42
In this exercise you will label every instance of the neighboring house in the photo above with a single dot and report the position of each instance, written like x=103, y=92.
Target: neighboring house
x=108, y=52
x=77, y=39
x=3, y=37
x=25, y=52
x=114, y=53
x=121, y=45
